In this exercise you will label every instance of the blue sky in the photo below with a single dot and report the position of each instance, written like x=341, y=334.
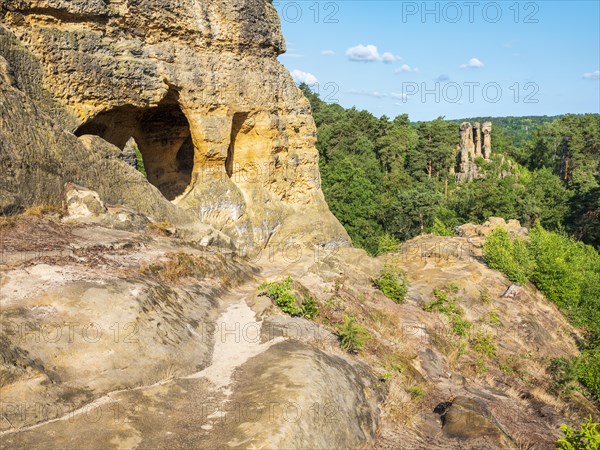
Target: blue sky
x=453, y=59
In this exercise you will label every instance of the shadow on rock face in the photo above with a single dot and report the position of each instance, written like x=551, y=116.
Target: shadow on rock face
x=466, y=418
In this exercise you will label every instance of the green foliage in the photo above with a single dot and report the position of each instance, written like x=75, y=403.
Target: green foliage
x=567, y=272
x=440, y=229
x=416, y=392
x=494, y=318
x=480, y=365
x=352, y=335
x=393, y=283
x=486, y=298
x=389, y=180
x=588, y=371
x=447, y=306
x=392, y=176
x=570, y=148
x=352, y=197
x=460, y=326
x=585, y=370
x=559, y=269
x=587, y=437
x=139, y=161
x=387, y=243
x=310, y=308
x=509, y=256
x=281, y=293
x=483, y=343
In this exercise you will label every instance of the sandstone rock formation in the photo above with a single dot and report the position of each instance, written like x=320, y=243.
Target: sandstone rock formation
x=475, y=142
x=106, y=336
x=118, y=339
x=477, y=138
x=476, y=234
x=128, y=154
x=224, y=132
x=486, y=130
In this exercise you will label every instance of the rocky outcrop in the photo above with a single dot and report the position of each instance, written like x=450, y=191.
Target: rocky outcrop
x=224, y=132
x=486, y=130
x=477, y=139
x=476, y=233
x=135, y=340
x=475, y=142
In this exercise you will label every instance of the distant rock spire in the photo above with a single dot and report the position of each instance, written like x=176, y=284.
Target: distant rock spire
x=475, y=141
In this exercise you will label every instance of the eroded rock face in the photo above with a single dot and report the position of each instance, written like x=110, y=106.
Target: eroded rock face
x=223, y=130
x=475, y=142
x=103, y=339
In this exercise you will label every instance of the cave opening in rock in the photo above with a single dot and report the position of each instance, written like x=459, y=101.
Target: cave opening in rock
x=162, y=134
x=236, y=125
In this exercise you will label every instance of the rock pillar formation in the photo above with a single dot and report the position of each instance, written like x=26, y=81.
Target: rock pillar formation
x=477, y=138
x=466, y=147
x=224, y=132
x=472, y=145
x=487, y=139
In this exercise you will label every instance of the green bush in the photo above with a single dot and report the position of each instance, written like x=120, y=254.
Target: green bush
x=509, y=256
x=139, y=161
x=393, y=283
x=353, y=336
x=460, y=326
x=447, y=306
x=309, y=308
x=439, y=228
x=588, y=371
x=587, y=437
x=387, y=243
x=559, y=266
x=281, y=293
x=483, y=343
x=585, y=370
x=494, y=318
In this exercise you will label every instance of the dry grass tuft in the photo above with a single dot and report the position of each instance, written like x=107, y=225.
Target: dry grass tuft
x=542, y=395
x=161, y=229
x=8, y=221
x=41, y=210
x=179, y=266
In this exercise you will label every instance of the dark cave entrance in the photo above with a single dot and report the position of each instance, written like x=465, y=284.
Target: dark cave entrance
x=162, y=134
x=236, y=125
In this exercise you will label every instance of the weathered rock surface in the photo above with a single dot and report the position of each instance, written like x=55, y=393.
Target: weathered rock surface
x=222, y=128
x=104, y=341
x=475, y=142
x=476, y=234
x=497, y=400
x=469, y=419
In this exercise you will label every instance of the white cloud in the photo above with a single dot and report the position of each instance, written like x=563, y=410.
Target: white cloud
x=388, y=57
x=592, y=75
x=327, y=52
x=442, y=77
x=473, y=63
x=369, y=53
x=363, y=53
x=304, y=77
x=405, y=68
